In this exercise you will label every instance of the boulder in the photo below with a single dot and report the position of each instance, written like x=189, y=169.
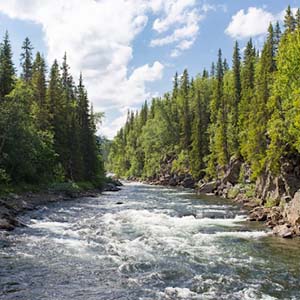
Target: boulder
x=188, y=182
x=208, y=188
x=259, y=213
x=110, y=187
x=284, y=231
x=233, y=171
x=172, y=181
x=292, y=210
x=275, y=217
x=6, y=225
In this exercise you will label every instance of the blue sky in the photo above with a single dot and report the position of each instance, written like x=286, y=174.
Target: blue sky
x=129, y=50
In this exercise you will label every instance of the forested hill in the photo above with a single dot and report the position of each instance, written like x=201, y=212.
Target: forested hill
x=249, y=112
x=47, y=127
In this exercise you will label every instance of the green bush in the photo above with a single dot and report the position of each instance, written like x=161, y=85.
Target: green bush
x=271, y=203
x=65, y=187
x=250, y=190
x=233, y=192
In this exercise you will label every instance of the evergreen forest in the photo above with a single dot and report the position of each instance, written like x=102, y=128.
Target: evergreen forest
x=249, y=110
x=47, y=125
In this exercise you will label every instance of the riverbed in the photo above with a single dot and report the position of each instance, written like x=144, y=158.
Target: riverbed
x=143, y=243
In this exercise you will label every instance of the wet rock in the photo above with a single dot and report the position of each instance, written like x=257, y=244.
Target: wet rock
x=292, y=210
x=6, y=225
x=188, y=182
x=117, y=182
x=172, y=181
x=275, y=217
x=259, y=213
x=233, y=171
x=110, y=187
x=283, y=231
x=208, y=188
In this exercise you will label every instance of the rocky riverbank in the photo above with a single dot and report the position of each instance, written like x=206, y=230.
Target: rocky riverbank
x=274, y=200
x=13, y=205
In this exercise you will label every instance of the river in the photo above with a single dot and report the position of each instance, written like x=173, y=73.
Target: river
x=146, y=242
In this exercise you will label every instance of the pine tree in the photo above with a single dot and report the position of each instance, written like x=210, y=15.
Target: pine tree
x=219, y=153
x=200, y=140
x=57, y=118
x=225, y=65
x=7, y=70
x=67, y=80
x=257, y=141
x=236, y=68
x=277, y=36
x=247, y=83
x=39, y=79
x=221, y=138
x=289, y=20
x=185, y=117
x=86, y=134
x=26, y=60
x=39, y=87
x=205, y=74
x=283, y=127
x=298, y=19
x=213, y=70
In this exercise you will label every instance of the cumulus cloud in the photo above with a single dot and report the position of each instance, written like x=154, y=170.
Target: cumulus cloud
x=98, y=38
x=185, y=18
x=252, y=23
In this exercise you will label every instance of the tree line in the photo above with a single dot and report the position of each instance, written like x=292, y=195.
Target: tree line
x=47, y=125
x=250, y=111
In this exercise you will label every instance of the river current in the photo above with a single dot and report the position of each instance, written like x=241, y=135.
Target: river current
x=146, y=243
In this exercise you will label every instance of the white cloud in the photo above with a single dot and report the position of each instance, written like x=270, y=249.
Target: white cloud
x=175, y=12
x=185, y=35
x=252, y=23
x=98, y=38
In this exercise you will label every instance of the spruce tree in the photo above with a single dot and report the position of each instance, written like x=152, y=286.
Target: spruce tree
x=212, y=70
x=236, y=68
x=185, y=117
x=26, y=60
x=86, y=134
x=298, y=19
x=277, y=36
x=289, y=20
x=221, y=138
x=257, y=141
x=7, y=70
x=247, y=83
x=39, y=87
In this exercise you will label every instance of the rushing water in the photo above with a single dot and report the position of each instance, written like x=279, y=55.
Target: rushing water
x=159, y=243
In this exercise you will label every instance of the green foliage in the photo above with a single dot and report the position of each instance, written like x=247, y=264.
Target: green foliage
x=181, y=165
x=68, y=187
x=249, y=190
x=47, y=131
x=7, y=69
x=251, y=112
x=233, y=192
x=4, y=178
x=271, y=203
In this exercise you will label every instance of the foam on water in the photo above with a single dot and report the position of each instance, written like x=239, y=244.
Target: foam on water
x=159, y=244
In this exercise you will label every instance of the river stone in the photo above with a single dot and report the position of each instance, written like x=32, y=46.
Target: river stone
x=292, y=210
x=284, y=231
x=188, y=182
x=208, y=188
x=6, y=224
x=259, y=213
